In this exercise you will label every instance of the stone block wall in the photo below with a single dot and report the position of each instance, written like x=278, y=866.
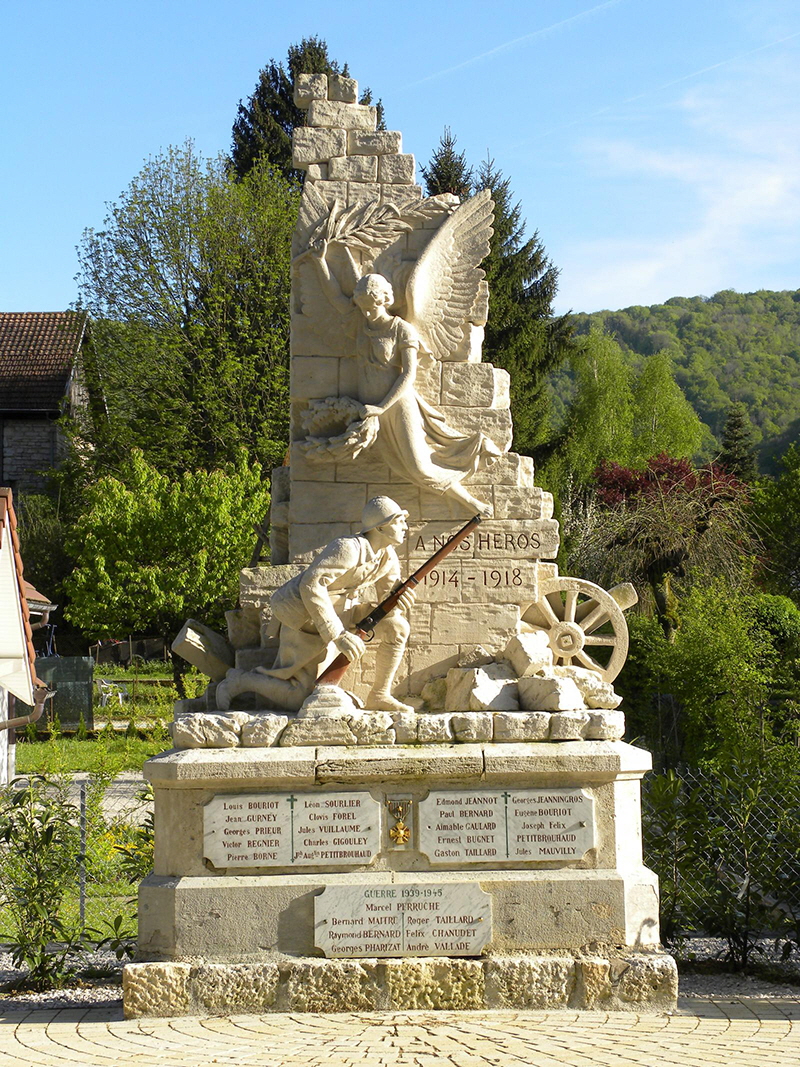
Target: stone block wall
x=479, y=596
x=27, y=447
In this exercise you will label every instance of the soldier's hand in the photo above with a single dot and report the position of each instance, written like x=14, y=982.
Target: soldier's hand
x=351, y=645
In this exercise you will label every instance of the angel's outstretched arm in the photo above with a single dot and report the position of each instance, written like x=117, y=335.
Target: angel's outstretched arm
x=328, y=282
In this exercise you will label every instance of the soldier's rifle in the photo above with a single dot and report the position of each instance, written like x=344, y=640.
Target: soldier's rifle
x=334, y=672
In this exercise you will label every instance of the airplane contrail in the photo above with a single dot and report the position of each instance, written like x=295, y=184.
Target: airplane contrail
x=513, y=44
x=659, y=88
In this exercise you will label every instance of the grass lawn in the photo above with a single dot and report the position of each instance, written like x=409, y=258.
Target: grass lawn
x=149, y=708
x=102, y=756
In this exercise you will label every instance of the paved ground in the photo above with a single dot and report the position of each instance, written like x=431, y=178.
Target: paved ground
x=741, y=1032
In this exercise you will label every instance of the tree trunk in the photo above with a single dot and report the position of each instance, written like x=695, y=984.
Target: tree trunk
x=661, y=587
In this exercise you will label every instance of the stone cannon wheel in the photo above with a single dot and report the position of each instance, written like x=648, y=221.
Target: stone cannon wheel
x=585, y=624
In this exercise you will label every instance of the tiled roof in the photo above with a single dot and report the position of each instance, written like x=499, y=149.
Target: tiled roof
x=37, y=602
x=37, y=353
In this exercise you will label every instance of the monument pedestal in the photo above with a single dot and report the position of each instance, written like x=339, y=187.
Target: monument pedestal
x=442, y=876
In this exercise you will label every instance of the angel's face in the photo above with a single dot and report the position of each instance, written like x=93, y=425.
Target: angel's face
x=370, y=304
x=372, y=298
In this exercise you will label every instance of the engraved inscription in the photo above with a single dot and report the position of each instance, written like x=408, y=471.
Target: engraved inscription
x=493, y=541
x=288, y=829
x=511, y=825
x=510, y=581
x=437, y=919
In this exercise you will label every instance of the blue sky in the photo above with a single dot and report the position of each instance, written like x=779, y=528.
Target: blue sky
x=654, y=144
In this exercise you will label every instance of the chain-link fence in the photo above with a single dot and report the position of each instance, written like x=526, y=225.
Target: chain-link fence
x=115, y=842
x=726, y=848
x=76, y=848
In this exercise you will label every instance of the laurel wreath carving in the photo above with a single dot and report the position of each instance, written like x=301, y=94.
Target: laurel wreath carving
x=372, y=226
x=336, y=430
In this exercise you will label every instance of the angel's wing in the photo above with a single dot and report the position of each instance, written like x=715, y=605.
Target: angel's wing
x=447, y=281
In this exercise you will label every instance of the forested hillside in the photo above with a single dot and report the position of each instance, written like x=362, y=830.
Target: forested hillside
x=731, y=346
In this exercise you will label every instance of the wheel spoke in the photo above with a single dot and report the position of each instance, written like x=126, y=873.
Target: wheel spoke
x=587, y=661
x=570, y=602
x=594, y=619
x=600, y=639
x=547, y=610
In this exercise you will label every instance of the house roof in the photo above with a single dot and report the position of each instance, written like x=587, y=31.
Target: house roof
x=37, y=602
x=37, y=355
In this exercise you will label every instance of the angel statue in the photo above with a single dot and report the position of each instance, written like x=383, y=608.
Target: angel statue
x=444, y=286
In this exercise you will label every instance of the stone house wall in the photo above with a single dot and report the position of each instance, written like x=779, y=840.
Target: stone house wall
x=28, y=447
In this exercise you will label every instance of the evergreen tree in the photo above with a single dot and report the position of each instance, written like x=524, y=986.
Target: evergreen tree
x=448, y=171
x=522, y=335
x=264, y=125
x=737, y=455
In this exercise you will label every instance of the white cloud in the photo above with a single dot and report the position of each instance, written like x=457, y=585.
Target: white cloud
x=725, y=201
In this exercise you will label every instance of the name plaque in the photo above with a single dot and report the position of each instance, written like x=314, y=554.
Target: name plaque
x=291, y=829
x=436, y=919
x=492, y=825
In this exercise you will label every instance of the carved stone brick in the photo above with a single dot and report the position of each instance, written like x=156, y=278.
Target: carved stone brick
x=399, y=169
x=317, y=146
x=380, y=143
x=333, y=114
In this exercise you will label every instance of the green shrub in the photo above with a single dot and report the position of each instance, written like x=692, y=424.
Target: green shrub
x=38, y=866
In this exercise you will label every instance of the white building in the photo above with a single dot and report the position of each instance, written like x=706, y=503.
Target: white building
x=21, y=693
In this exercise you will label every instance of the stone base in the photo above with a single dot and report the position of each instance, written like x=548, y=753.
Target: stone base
x=577, y=930
x=641, y=982
x=253, y=918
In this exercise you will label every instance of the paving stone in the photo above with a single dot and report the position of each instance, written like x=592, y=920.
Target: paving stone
x=729, y=1031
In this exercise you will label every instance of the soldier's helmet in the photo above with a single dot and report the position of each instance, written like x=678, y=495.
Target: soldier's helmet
x=380, y=510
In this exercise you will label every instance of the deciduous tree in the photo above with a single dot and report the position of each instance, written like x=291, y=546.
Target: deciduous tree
x=151, y=549
x=599, y=425
x=664, y=420
x=776, y=509
x=187, y=287
x=659, y=524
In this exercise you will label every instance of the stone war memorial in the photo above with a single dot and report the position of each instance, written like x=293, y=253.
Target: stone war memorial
x=397, y=797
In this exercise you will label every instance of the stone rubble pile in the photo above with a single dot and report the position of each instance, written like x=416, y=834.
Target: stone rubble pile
x=521, y=698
